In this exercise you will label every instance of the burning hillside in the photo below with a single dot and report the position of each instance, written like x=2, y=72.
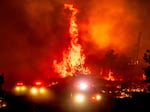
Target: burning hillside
x=34, y=33
x=112, y=66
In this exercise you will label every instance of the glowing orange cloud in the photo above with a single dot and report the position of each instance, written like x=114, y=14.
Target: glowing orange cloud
x=109, y=25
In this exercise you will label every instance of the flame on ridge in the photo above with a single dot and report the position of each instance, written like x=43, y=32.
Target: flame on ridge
x=73, y=58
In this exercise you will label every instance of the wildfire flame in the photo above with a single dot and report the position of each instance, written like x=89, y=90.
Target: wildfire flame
x=73, y=58
x=110, y=76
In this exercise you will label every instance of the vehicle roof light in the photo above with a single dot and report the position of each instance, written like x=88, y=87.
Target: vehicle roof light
x=83, y=86
x=38, y=83
x=19, y=83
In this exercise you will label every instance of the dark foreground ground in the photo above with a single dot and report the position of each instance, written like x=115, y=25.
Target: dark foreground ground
x=140, y=102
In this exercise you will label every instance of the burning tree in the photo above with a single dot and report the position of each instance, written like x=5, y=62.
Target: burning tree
x=73, y=58
x=147, y=69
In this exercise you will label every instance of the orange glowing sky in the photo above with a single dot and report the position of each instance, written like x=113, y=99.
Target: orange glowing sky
x=112, y=24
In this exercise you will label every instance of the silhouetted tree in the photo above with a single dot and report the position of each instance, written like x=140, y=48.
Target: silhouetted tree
x=110, y=58
x=147, y=56
x=1, y=78
x=1, y=83
x=147, y=69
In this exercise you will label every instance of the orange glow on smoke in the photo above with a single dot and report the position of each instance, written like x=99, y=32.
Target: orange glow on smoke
x=100, y=34
x=73, y=58
x=109, y=24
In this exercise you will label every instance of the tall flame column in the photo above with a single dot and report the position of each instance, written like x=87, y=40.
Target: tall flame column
x=73, y=58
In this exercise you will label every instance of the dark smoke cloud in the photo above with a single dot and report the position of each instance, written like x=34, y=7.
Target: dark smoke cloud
x=35, y=32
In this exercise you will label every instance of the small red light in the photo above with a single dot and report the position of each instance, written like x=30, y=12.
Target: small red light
x=19, y=83
x=93, y=98
x=38, y=83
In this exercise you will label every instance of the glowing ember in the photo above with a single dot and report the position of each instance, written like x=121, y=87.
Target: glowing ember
x=143, y=77
x=73, y=58
x=110, y=76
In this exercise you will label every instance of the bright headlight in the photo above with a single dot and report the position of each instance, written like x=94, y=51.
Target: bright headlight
x=79, y=98
x=20, y=88
x=96, y=97
x=17, y=88
x=42, y=90
x=34, y=90
x=23, y=88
